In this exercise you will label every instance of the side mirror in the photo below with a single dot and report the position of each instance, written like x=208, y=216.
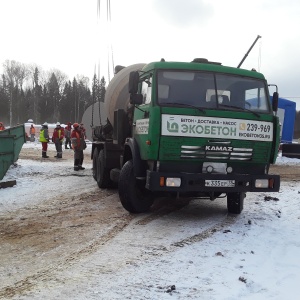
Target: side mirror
x=275, y=101
x=136, y=99
x=133, y=82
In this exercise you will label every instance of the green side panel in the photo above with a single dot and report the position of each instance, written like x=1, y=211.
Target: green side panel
x=152, y=114
x=154, y=133
x=141, y=114
x=6, y=153
x=11, y=143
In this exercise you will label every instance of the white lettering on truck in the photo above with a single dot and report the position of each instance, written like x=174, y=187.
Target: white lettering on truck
x=208, y=127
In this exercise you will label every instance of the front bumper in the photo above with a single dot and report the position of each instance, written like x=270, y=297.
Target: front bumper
x=195, y=182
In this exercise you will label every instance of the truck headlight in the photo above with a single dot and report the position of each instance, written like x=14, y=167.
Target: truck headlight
x=262, y=183
x=173, y=182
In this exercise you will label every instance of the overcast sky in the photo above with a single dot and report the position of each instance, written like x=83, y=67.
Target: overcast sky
x=68, y=35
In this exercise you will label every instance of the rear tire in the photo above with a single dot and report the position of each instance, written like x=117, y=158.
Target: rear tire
x=103, y=176
x=235, y=202
x=95, y=157
x=134, y=197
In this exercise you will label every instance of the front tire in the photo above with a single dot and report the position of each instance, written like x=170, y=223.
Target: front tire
x=134, y=197
x=235, y=202
x=103, y=176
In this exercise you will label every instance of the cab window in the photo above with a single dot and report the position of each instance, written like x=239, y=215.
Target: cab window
x=146, y=90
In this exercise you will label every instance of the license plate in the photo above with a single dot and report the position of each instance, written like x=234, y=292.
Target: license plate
x=220, y=183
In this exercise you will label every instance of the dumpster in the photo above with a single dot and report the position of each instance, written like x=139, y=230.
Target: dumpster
x=11, y=143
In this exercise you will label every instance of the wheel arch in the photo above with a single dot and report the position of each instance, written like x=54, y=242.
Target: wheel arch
x=132, y=151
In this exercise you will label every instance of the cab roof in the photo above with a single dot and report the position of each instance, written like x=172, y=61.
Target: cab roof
x=201, y=64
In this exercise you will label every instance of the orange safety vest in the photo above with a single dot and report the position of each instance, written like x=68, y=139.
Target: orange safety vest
x=77, y=140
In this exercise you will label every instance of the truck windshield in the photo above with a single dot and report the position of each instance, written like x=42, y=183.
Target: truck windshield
x=212, y=91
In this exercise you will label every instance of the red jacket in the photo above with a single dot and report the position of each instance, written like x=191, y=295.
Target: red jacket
x=58, y=134
x=77, y=139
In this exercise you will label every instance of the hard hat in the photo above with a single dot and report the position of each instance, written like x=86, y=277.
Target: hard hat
x=45, y=124
x=57, y=124
x=75, y=125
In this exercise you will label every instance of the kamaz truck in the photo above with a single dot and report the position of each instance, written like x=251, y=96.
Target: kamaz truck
x=186, y=129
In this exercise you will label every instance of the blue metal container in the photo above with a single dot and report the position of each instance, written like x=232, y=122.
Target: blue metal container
x=287, y=115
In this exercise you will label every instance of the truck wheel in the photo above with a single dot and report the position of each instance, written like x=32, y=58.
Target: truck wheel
x=103, y=179
x=132, y=192
x=95, y=157
x=235, y=202
x=114, y=175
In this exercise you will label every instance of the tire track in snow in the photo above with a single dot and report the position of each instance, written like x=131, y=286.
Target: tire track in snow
x=48, y=273
x=206, y=233
x=118, y=221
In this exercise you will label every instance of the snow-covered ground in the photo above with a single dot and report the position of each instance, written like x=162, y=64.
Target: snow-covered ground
x=30, y=186
x=255, y=255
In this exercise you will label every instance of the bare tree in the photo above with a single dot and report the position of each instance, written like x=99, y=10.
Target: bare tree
x=9, y=73
x=15, y=73
x=83, y=79
x=21, y=73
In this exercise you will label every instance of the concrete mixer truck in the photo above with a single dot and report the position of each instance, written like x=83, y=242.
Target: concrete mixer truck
x=182, y=129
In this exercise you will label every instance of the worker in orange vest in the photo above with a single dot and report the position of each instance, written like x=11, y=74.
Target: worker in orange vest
x=32, y=133
x=78, y=145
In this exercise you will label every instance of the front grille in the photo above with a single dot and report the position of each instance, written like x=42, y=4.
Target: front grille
x=216, y=152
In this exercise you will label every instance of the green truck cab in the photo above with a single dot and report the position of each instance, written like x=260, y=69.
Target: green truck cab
x=195, y=129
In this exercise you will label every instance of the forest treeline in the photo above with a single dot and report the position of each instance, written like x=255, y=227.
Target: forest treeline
x=28, y=92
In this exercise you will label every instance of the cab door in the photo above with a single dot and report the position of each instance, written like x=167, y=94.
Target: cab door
x=141, y=118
